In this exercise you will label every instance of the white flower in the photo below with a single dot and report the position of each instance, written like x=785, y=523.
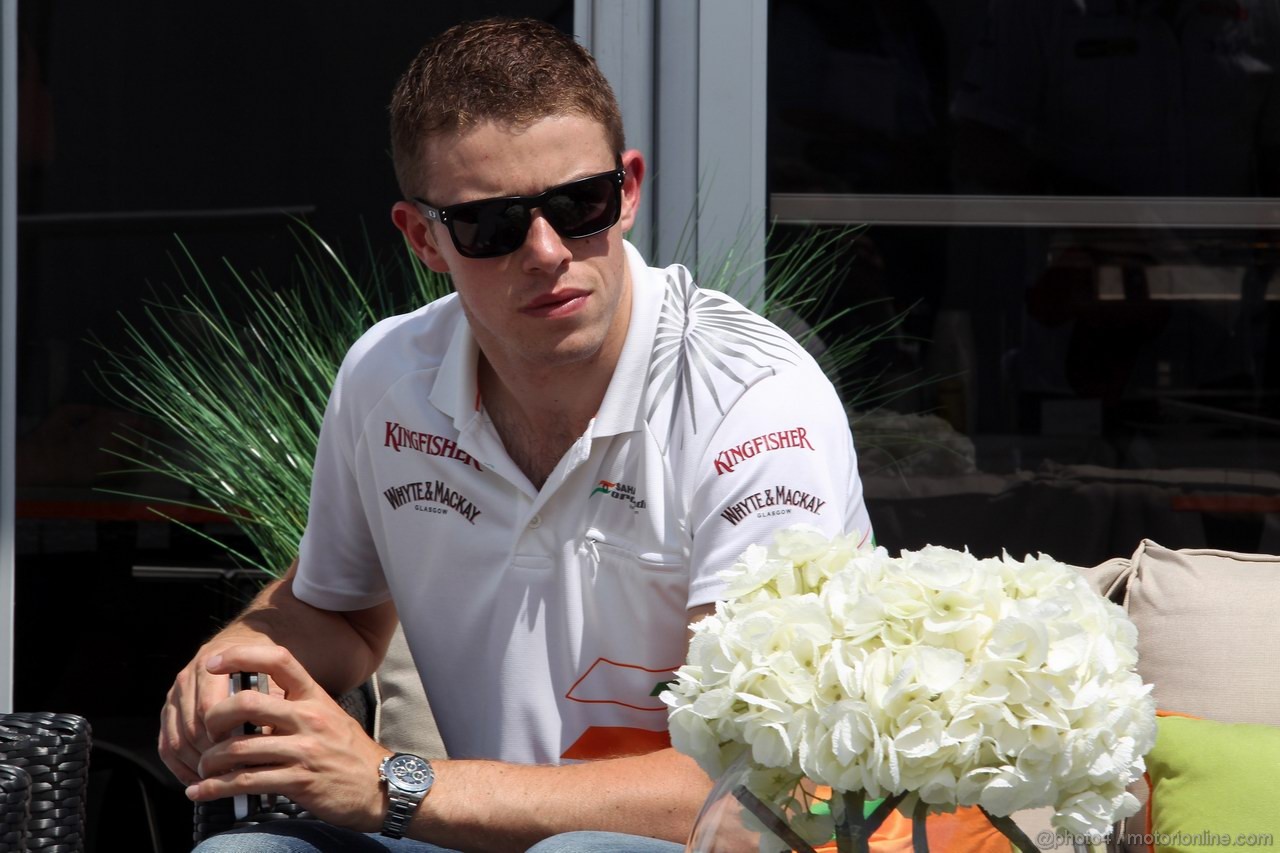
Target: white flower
x=961, y=681
x=1092, y=812
x=754, y=571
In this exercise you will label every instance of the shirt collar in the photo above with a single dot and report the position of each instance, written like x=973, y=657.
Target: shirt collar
x=620, y=411
x=456, y=391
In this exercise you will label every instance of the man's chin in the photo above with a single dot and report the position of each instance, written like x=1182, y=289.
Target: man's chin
x=568, y=357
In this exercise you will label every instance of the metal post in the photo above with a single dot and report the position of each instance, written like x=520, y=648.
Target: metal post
x=673, y=190
x=8, y=331
x=690, y=77
x=732, y=59
x=620, y=36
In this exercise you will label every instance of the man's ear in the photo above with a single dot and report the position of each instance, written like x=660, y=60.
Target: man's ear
x=421, y=236
x=633, y=163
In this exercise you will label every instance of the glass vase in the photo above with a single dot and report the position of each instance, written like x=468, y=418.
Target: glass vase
x=814, y=819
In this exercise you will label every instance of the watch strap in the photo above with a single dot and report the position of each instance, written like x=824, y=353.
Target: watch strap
x=399, y=811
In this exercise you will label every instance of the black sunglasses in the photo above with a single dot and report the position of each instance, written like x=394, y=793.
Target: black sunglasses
x=492, y=227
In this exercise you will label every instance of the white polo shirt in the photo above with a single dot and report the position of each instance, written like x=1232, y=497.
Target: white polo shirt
x=545, y=622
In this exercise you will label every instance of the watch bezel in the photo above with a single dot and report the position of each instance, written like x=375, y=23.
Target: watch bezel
x=394, y=773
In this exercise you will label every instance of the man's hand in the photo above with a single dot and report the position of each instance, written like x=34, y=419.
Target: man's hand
x=337, y=649
x=314, y=753
x=183, y=737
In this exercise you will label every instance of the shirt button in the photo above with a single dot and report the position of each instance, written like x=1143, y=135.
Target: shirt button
x=535, y=522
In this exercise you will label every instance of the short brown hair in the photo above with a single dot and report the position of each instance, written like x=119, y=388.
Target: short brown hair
x=514, y=72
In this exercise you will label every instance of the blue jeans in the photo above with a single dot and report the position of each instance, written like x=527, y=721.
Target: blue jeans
x=311, y=836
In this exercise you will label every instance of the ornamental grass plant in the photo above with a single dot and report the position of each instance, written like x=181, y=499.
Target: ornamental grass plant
x=238, y=369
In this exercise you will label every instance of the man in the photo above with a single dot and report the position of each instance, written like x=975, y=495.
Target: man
x=540, y=474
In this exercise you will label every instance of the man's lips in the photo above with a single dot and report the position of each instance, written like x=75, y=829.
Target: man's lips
x=556, y=304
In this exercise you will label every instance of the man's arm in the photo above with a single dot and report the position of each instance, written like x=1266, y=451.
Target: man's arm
x=319, y=760
x=485, y=805
x=482, y=805
x=338, y=650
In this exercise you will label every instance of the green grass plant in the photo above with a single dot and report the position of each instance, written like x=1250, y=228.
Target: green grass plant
x=239, y=369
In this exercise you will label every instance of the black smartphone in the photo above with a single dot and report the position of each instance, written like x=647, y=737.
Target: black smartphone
x=240, y=682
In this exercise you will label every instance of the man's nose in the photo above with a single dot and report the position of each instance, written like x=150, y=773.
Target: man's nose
x=543, y=247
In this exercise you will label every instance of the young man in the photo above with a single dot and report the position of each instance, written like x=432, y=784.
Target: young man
x=540, y=474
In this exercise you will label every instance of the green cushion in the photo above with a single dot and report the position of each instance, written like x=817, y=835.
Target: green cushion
x=1214, y=785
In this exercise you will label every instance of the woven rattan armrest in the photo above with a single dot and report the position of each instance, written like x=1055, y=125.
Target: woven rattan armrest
x=52, y=750
x=15, y=808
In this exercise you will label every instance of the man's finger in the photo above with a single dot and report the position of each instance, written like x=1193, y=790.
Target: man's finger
x=182, y=738
x=181, y=758
x=228, y=718
x=244, y=751
x=243, y=780
x=281, y=666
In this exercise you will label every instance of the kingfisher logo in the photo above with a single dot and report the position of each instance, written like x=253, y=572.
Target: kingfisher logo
x=398, y=437
x=727, y=460
x=619, y=492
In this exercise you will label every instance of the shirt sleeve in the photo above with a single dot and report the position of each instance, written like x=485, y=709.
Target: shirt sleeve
x=338, y=563
x=783, y=455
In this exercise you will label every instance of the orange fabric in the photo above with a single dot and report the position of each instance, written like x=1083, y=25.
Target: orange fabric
x=615, y=742
x=966, y=830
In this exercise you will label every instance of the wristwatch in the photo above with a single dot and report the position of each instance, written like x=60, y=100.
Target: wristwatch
x=408, y=779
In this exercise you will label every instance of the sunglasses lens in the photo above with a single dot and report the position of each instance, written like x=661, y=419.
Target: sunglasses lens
x=489, y=228
x=583, y=208
x=499, y=226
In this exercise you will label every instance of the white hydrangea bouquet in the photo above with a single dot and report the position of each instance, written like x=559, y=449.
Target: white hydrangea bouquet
x=932, y=680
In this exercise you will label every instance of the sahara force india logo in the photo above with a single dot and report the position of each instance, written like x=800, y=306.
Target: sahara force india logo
x=435, y=497
x=752, y=447
x=619, y=492
x=776, y=501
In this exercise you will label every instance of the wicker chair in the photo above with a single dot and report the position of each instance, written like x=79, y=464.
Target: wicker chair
x=44, y=771
x=15, y=808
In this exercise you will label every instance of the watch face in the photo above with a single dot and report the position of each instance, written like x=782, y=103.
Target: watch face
x=409, y=773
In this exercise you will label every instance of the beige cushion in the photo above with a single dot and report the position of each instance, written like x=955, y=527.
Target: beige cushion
x=403, y=720
x=1206, y=633
x=1207, y=628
